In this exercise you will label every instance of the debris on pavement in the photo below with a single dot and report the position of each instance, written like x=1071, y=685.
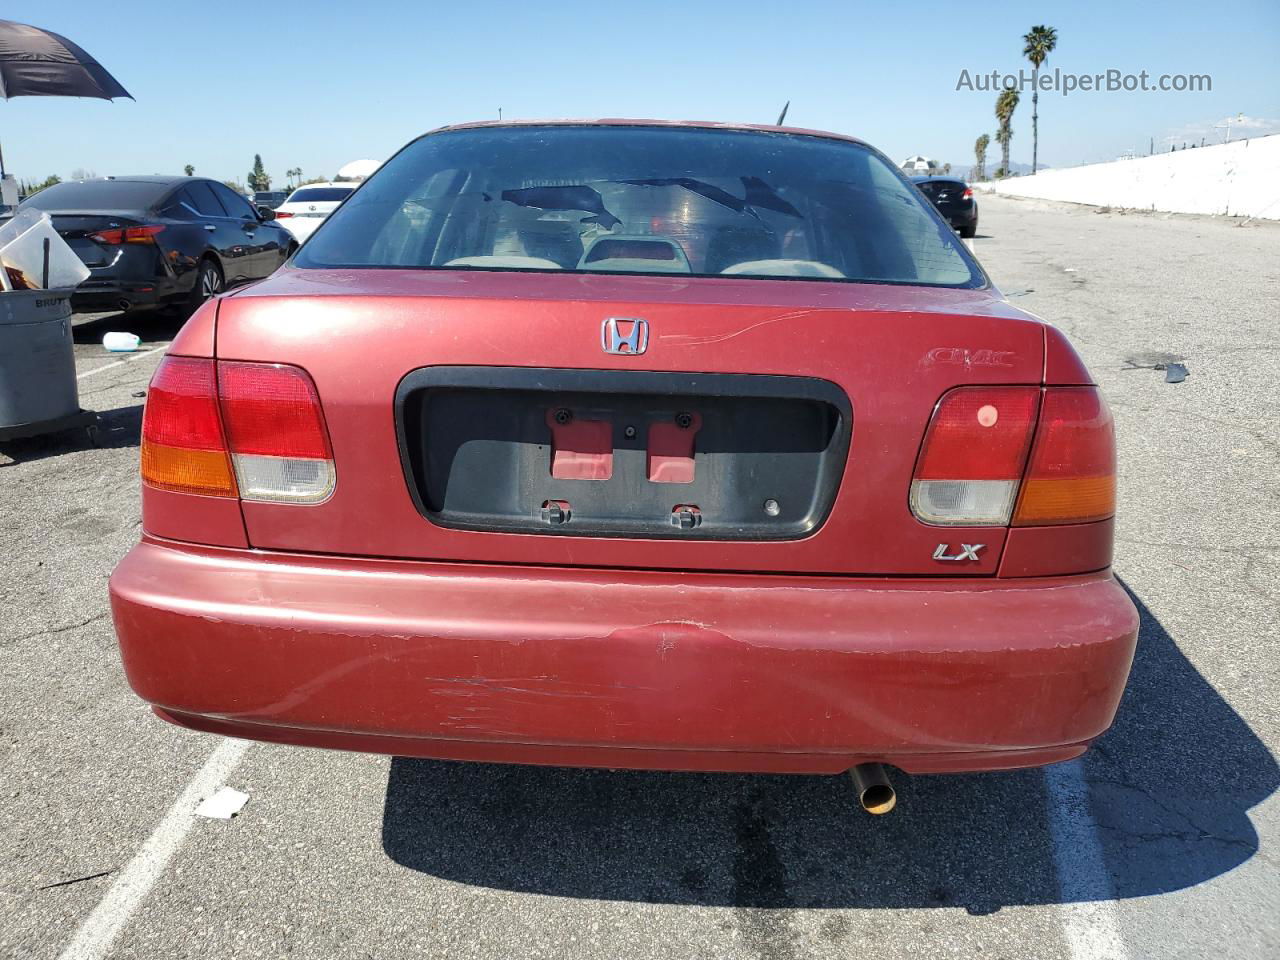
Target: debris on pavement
x=67, y=883
x=223, y=805
x=1174, y=366
x=118, y=342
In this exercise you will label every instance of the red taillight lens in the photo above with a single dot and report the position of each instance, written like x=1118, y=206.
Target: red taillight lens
x=142, y=234
x=276, y=431
x=145, y=234
x=974, y=452
x=253, y=430
x=974, y=464
x=183, y=449
x=979, y=433
x=967, y=195
x=1072, y=474
x=280, y=215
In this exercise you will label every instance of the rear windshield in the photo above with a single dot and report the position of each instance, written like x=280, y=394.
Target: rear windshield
x=99, y=195
x=644, y=200
x=932, y=188
x=319, y=194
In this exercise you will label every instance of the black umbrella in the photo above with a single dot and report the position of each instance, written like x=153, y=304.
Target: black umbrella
x=38, y=63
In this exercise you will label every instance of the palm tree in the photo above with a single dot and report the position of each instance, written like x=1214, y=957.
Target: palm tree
x=189, y=170
x=980, y=157
x=1006, y=103
x=1039, y=44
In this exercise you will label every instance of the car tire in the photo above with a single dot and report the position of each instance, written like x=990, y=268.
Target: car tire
x=969, y=230
x=209, y=283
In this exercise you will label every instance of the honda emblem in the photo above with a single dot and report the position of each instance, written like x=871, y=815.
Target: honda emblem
x=626, y=335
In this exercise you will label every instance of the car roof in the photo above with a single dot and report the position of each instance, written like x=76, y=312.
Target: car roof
x=155, y=178
x=326, y=183
x=948, y=178
x=627, y=122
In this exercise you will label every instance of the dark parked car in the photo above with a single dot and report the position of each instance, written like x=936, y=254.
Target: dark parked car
x=270, y=198
x=161, y=241
x=954, y=200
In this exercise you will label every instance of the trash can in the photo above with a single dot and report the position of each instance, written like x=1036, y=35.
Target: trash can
x=37, y=366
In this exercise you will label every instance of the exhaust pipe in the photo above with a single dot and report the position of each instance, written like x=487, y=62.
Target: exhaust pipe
x=875, y=792
x=123, y=304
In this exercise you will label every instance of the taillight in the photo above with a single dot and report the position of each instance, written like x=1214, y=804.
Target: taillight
x=1072, y=474
x=281, y=215
x=254, y=430
x=967, y=195
x=276, y=432
x=143, y=234
x=973, y=456
x=974, y=465
x=183, y=449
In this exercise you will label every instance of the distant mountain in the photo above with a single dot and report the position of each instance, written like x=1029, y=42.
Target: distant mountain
x=1021, y=169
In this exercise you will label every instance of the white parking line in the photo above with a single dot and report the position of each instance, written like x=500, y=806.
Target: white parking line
x=109, y=366
x=99, y=931
x=1090, y=920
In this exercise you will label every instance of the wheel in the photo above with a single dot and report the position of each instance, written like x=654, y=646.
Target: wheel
x=969, y=230
x=208, y=283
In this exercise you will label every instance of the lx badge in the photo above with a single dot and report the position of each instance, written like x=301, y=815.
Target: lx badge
x=968, y=551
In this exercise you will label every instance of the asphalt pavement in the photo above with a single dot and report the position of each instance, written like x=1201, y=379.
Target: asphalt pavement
x=1161, y=843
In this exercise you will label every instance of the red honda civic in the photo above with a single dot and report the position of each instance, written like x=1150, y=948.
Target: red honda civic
x=631, y=444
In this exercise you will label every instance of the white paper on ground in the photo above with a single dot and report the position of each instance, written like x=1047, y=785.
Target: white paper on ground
x=223, y=805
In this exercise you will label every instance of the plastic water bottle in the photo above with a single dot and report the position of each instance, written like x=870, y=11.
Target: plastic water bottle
x=121, y=342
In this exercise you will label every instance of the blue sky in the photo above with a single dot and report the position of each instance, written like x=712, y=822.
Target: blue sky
x=318, y=84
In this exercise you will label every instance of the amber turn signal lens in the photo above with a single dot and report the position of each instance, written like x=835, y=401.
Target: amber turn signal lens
x=205, y=472
x=1066, y=500
x=183, y=449
x=1071, y=477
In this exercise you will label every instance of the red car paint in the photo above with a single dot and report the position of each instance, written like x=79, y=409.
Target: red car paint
x=357, y=623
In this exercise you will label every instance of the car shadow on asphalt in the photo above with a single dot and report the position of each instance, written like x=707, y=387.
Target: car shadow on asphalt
x=113, y=429
x=152, y=327
x=1170, y=788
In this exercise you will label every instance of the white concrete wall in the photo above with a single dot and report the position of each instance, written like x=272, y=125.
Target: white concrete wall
x=1236, y=179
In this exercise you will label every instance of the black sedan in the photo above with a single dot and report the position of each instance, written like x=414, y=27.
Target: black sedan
x=161, y=241
x=954, y=200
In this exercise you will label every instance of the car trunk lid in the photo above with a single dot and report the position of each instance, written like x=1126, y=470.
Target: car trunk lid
x=767, y=426
x=78, y=230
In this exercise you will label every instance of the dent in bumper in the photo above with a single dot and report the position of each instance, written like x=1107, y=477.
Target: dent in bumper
x=553, y=665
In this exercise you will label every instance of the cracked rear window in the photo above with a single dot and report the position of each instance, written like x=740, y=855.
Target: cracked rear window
x=634, y=199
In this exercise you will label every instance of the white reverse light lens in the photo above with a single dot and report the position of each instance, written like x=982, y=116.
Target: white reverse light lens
x=962, y=503
x=287, y=479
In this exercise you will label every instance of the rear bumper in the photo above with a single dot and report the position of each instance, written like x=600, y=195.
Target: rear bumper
x=301, y=227
x=623, y=669
x=94, y=296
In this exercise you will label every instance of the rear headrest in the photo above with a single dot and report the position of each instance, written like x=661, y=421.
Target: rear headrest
x=736, y=244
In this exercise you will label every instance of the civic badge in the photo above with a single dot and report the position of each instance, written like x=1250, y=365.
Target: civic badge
x=968, y=551
x=628, y=335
